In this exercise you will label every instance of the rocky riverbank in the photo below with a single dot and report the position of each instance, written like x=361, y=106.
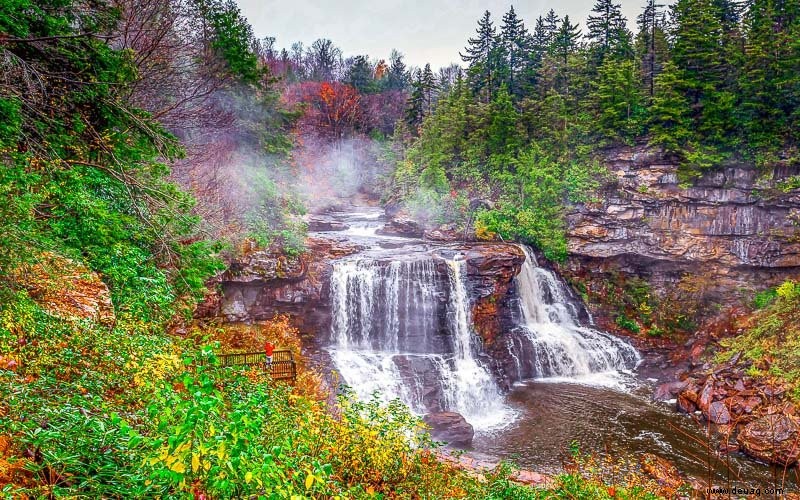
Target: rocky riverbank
x=748, y=414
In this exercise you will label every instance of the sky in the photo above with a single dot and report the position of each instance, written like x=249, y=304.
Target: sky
x=426, y=31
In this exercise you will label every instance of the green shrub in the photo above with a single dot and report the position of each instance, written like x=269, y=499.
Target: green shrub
x=625, y=322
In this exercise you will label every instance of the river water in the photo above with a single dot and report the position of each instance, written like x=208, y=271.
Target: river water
x=401, y=328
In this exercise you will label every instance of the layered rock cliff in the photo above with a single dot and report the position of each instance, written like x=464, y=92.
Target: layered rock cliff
x=735, y=226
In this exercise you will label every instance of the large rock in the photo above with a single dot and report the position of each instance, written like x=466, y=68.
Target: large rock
x=662, y=471
x=402, y=226
x=491, y=268
x=772, y=438
x=669, y=390
x=450, y=427
x=67, y=289
x=318, y=223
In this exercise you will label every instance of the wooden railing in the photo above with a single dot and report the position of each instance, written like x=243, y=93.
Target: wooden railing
x=283, y=366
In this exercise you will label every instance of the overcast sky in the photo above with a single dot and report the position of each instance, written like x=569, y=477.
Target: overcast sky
x=424, y=30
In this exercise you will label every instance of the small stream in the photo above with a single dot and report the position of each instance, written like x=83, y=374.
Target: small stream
x=401, y=327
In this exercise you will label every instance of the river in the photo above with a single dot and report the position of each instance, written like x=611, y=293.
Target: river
x=401, y=327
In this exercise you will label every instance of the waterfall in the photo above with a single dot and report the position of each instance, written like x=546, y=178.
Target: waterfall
x=551, y=341
x=402, y=328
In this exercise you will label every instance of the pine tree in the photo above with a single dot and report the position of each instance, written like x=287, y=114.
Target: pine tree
x=397, y=78
x=551, y=22
x=770, y=80
x=565, y=40
x=700, y=52
x=651, y=44
x=515, y=40
x=503, y=134
x=617, y=101
x=564, y=44
x=429, y=86
x=608, y=32
x=670, y=113
x=481, y=54
x=360, y=74
x=415, y=108
x=539, y=44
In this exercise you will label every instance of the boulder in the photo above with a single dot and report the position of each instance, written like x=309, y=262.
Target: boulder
x=402, y=226
x=444, y=235
x=718, y=413
x=688, y=398
x=706, y=396
x=685, y=404
x=669, y=390
x=772, y=438
x=316, y=224
x=450, y=427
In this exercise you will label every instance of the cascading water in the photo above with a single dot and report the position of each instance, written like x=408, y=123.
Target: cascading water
x=551, y=343
x=403, y=328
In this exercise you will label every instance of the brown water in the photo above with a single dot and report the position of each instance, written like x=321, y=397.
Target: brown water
x=609, y=422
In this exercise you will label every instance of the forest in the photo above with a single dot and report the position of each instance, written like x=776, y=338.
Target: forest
x=148, y=144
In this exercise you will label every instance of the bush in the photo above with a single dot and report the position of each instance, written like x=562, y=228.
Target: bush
x=625, y=322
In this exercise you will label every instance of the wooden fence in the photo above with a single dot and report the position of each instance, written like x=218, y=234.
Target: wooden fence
x=283, y=366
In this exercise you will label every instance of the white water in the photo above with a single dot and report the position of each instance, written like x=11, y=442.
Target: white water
x=403, y=329
x=553, y=344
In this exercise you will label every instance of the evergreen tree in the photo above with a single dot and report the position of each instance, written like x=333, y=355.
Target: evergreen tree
x=770, y=81
x=700, y=54
x=670, y=111
x=360, y=75
x=397, y=78
x=651, y=44
x=617, y=101
x=429, y=86
x=539, y=44
x=481, y=54
x=608, y=32
x=423, y=94
x=551, y=22
x=415, y=108
x=503, y=135
x=565, y=40
x=515, y=40
x=564, y=44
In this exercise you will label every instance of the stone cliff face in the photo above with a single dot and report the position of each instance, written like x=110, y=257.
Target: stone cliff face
x=733, y=225
x=262, y=285
x=490, y=270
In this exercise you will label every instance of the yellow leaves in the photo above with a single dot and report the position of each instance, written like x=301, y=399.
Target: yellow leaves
x=178, y=466
x=309, y=481
x=248, y=477
x=155, y=369
x=195, y=462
